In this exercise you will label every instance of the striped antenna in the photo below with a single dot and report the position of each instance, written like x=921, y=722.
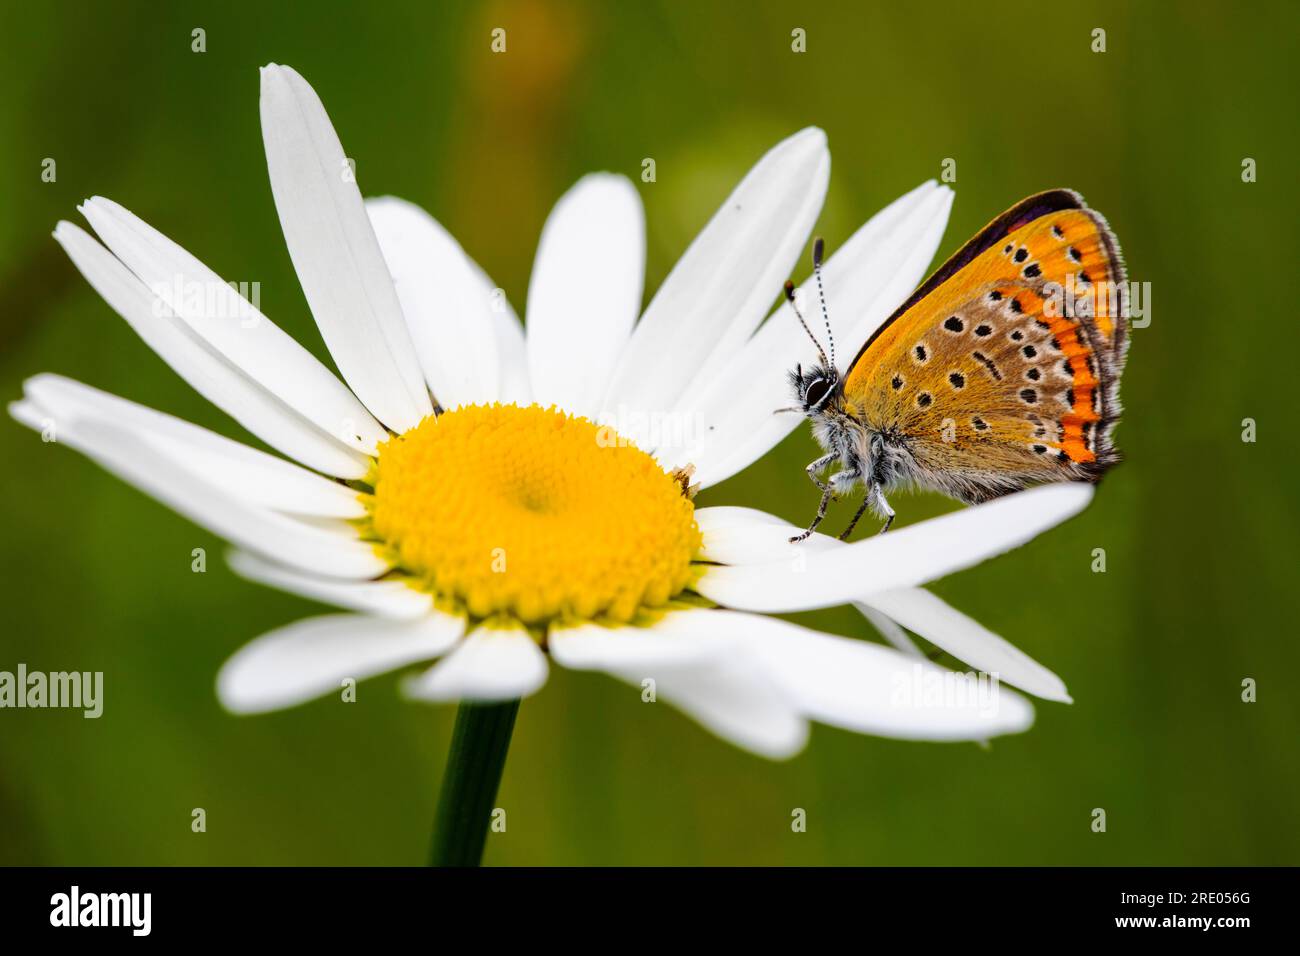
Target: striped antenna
x=789, y=294
x=818, y=249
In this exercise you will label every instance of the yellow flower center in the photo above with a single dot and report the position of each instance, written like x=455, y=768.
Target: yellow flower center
x=532, y=513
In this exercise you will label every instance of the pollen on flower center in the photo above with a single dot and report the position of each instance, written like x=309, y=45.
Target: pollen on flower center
x=532, y=513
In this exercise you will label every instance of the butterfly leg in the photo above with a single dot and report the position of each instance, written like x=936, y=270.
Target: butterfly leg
x=827, y=494
x=816, y=466
x=844, y=535
x=837, y=484
x=877, y=494
x=874, y=499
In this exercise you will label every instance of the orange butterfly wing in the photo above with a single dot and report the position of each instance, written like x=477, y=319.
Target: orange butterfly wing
x=1002, y=369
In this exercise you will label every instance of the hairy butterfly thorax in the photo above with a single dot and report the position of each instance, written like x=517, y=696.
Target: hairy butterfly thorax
x=1000, y=372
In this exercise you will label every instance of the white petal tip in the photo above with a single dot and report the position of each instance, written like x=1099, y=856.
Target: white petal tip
x=1049, y=688
x=801, y=146
x=271, y=73
x=1017, y=714
x=781, y=750
x=236, y=700
x=605, y=177
x=813, y=135
x=418, y=688
x=241, y=686
x=278, y=71
x=25, y=413
x=489, y=666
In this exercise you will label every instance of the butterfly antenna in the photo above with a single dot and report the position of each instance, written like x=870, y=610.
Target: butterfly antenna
x=818, y=248
x=789, y=294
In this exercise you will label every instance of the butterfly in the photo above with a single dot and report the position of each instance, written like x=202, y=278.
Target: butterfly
x=1000, y=372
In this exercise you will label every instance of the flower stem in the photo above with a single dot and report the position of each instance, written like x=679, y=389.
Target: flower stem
x=477, y=757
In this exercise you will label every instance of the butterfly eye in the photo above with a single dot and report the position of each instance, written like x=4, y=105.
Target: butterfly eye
x=815, y=392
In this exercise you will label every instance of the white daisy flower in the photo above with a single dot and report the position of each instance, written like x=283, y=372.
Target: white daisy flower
x=465, y=497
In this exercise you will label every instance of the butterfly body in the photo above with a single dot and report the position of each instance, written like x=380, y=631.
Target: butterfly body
x=1000, y=372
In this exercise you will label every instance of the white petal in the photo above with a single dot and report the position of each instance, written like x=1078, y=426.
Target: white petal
x=384, y=598
x=877, y=690
x=207, y=372
x=737, y=700
x=312, y=657
x=585, y=292
x=335, y=254
x=243, y=472
x=903, y=558
x=968, y=640
x=516, y=386
x=278, y=536
x=30, y=414
x=492, y=663
x=231, y=325
x=734, y=418
x=737, y=536
x=719, y=290
x=889, y=630
x=698, y=666
x=447, y=301
x=674, y=640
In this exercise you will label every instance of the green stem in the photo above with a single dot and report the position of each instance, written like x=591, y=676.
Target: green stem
x=469, y=787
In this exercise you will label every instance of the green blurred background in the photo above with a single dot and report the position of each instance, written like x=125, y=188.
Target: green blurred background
x=1199, y=527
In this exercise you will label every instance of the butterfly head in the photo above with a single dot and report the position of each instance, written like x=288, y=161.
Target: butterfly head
x=814, y=388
